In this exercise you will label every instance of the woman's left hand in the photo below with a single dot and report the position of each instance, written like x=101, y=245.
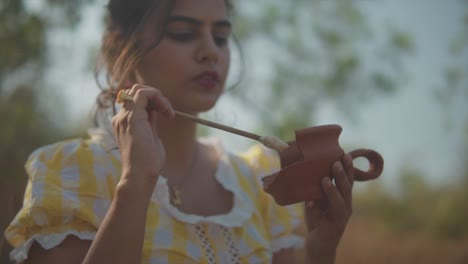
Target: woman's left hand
x=326, y=226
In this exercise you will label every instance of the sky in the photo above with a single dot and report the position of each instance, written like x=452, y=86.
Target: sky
x=408, y=128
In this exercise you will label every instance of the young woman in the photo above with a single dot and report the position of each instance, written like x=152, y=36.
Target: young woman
x=144, y=189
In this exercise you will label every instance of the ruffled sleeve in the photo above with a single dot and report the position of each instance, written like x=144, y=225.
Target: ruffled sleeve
x=69, y=190
x=283, y=222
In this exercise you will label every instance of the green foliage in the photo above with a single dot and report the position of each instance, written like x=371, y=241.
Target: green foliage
x=439, y=211
x=402, y=41
x=450, y=216
x=25, y=125
x=23, y=50
x=452, y=93
x=22, y=38
x=317, y=57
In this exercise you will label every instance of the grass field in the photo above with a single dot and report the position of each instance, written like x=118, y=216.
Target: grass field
x=367, y=241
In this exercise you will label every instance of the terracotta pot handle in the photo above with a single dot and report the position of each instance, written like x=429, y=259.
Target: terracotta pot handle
x=376, y=163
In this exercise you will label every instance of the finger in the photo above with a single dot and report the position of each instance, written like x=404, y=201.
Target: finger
x=132, y=91
x=152, y=117
x=118, y=119
x=349, y=168
x=134, y=88
x=312, y=215
x=145, y=97
x=342, y=182
x=336, y=207
x=119, y=124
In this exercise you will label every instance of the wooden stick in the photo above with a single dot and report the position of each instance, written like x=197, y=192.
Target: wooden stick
x=269, y=141
x=219, y=126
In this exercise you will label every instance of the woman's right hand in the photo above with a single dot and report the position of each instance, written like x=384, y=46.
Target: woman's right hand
x=141, y=150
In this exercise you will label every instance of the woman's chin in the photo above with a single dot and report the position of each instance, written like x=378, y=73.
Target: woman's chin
x=197, y=106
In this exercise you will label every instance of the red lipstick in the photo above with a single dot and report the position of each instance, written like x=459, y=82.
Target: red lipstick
x=208, y=79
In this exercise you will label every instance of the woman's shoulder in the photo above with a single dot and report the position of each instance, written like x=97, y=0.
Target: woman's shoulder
x=66, y=156
x=66, y=149
x=262, y=160
x=252, y=164
x=69, y=190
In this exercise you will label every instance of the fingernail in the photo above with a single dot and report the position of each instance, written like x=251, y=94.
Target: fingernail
x=337, y=166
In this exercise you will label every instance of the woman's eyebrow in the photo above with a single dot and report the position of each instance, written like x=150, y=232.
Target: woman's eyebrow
x=191, y=20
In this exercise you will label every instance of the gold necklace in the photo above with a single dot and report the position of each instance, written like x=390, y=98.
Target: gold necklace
x=174, y=189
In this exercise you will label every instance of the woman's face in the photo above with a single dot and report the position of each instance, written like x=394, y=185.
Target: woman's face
x=191, y=62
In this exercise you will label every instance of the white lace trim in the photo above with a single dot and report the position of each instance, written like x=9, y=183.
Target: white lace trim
x=229, y=240
x=48, y=241
x=242, y=208
x=240, y=212
x=205, y=243
x=287, y=242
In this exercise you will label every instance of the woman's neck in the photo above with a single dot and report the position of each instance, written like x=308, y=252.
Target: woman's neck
x=179, y=139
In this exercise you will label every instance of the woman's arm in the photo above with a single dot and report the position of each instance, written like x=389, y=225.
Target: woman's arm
x=72, y=251
x=317, y=255
x=121, y=235
x=284, y=256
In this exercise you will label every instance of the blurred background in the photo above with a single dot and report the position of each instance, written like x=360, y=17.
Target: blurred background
x=392, y=73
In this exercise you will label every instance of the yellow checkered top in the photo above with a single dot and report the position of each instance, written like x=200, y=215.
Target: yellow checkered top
x=71, y=184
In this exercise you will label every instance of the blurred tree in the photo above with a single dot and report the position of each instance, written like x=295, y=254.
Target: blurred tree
x=440, y=211
x=451, y=210
x=317, y=52
x=452, y=94
x=25, y=124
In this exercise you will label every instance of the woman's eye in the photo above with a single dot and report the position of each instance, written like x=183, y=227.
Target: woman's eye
x=220, y=41
x=181, y=37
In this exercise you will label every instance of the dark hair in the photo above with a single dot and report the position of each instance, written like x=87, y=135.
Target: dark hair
x=121, y=49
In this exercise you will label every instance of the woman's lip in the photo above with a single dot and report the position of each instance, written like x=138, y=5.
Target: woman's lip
x=207, y=82
x=208, y=79
x=208, y=75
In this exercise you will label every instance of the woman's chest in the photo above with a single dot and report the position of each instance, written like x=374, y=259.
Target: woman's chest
x=169, y=240
x=204, y=198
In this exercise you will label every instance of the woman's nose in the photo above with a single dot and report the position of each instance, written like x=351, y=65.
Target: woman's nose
x=208, y=51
